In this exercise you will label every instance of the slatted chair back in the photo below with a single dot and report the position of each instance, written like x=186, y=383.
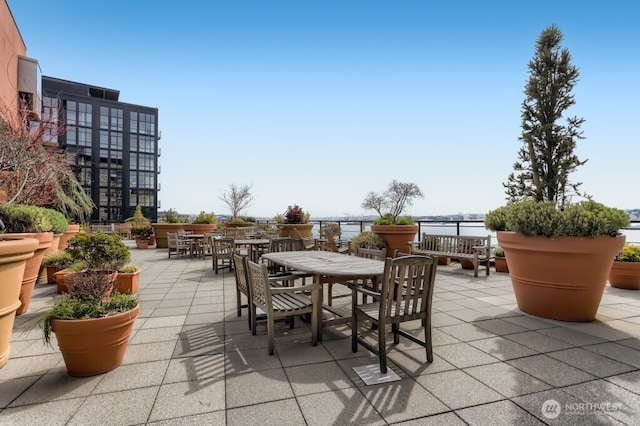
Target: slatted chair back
x=371, y=253
x=222, y=253
x=242, y=285
x=406, y=294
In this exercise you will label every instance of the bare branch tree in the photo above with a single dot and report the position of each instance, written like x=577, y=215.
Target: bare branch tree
x=394, y=200
x=237, y=198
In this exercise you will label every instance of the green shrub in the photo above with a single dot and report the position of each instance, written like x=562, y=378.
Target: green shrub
x=21, y=218
x=584, y=219
x=171, y=216
x=205, y=218
x=498, y=251
x=629, y=253
x=333, y=228
x=129, y=269
x=99, y=251
x=68, y=308
x=58, y=259
x=59, y=223
x=142, y=231
x=368, y=240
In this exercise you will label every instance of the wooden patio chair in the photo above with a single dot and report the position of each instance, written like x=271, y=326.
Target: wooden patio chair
x=177, y=245
x=222, y=250
x=405, y=295
x=375, y=254
x=281, y=244
x=280, y=302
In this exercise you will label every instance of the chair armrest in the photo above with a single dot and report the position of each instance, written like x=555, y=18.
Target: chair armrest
x=357, y=289
x=294, y=289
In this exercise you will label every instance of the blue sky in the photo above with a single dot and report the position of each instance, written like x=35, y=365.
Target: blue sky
x=319, y=102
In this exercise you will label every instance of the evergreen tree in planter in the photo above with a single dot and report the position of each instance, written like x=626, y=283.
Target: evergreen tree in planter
x=552, y=241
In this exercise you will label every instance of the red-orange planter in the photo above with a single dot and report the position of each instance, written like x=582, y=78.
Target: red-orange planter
x=64, y=238
x=94, y=346
x=559, y=278
x=501, y=264
x=397, y=237
x=128, y=282
x=625, y=275
x=32, y=269
x=13, y=258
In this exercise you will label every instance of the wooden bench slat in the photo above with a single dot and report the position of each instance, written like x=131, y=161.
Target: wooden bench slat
x=475, y=249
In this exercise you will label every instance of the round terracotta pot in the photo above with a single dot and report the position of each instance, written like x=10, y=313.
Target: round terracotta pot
x=559, y=278
x=625, y=275
x=397, y=237
x=200, y=228
x=64, y=238
x=13, y=259
x=94, y=346
x=44, y=275
x=160, y=231
x=296, y=230
x=32, y=268
x=142, y=243
x=501, y=264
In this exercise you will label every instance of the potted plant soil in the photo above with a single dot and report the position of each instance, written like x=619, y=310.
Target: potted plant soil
x=93, y=322
x=396, y=230
x=625, y=271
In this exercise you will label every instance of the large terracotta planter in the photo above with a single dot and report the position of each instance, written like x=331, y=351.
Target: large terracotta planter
x=13, y=259
x=397, y=237
x=94, y=346
x=625, y=275
x=160, y=231
x=128, y=282
x=200, y=228
x=559, y=278
x=64, y=238
x=32, y=268
x=296, y=230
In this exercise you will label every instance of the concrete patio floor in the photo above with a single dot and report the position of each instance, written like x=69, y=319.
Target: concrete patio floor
x=191, y=360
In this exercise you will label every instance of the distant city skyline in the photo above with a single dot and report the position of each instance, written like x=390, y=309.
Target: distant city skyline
x=314, y=102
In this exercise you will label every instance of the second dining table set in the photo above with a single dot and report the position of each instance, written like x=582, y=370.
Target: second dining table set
x=273, y=274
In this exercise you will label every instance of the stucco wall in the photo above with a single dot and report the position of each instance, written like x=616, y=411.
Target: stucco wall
x=11, y=46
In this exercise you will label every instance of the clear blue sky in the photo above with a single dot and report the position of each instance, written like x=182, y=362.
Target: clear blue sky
x=312, y=102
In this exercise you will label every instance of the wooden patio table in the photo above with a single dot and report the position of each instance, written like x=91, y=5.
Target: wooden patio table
x=254, y=245
x=329, y=267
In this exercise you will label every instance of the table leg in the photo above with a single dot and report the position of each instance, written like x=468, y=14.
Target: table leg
x=319, y=300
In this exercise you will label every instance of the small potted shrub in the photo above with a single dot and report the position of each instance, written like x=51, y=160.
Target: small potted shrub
x=142, y=235
x=294, y=223
x=128, y=279
x=92, y=322
x=25, y=221
x=625, y=271
x=500, y=259
x=56, y=261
